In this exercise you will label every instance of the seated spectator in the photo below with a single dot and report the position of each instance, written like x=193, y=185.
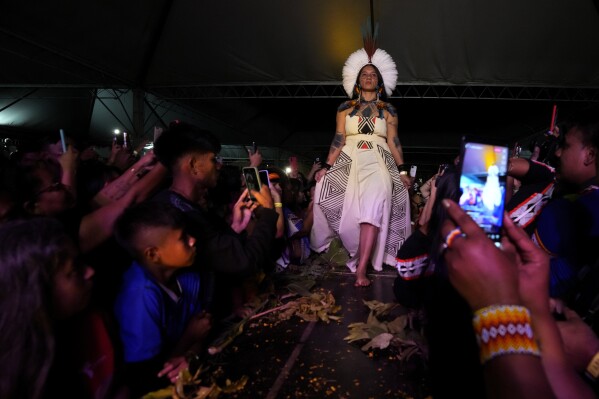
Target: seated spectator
x=159, y=308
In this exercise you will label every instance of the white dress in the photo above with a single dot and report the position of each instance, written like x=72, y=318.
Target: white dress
x=363, y=186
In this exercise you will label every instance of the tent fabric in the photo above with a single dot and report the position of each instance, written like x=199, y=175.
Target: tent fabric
x=70, y=53
x=534, y=42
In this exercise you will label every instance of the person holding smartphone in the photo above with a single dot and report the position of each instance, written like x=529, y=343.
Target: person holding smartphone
x=360, y=187
x=225, y=249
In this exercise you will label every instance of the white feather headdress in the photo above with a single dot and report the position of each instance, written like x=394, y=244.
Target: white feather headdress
x=380, y=59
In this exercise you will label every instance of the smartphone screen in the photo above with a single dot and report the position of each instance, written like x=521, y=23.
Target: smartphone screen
x=483, y=184
x=264, y=177
x=252, y=180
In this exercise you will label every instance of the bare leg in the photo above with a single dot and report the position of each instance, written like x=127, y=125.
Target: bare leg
x=368, y=235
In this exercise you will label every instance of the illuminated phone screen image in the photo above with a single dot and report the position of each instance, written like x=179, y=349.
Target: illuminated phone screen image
x=483, y=185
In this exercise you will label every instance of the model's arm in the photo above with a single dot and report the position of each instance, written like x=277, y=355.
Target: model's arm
x=336, y=145
x=393, y=142
x=393, y=138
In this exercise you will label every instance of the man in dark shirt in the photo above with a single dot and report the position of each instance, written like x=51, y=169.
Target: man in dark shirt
x=223, y=248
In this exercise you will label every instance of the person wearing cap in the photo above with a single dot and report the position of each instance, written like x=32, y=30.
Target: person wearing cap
x=360, y=187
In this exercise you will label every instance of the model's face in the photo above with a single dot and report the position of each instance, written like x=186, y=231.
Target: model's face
x=368, y=78
x=176, y=248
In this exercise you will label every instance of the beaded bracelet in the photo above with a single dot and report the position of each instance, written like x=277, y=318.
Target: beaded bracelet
x=502, y=330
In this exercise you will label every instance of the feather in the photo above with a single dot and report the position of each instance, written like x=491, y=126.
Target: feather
x=369, y=36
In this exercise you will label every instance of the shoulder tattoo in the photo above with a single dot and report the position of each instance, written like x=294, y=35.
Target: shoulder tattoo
x=391, y=109
x=337, y=140
x=345, y=105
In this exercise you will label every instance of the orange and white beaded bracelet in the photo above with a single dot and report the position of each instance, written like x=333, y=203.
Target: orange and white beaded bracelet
x=502, y=330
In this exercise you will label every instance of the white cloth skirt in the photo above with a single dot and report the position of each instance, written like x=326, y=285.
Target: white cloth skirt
x=363, y=186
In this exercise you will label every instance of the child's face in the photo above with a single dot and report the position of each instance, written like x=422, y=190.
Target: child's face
x=177, y=248
x=72, y=288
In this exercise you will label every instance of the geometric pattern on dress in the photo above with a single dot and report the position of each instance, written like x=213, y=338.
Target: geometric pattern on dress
x=332, y=192
x=366, y=125
x=398, y=223
x=364, y=145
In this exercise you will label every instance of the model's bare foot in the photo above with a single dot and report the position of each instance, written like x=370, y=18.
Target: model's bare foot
x=362, y=282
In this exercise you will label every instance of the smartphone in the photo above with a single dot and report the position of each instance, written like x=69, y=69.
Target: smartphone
x=252, y=180
x=264, y=177
x=63, y=141
x=413, y=170
x=483, y=175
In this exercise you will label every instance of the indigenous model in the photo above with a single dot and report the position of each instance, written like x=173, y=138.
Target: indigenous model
x=361, y=194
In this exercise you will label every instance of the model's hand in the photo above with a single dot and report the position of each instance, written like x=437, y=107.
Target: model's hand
x=319, y=175
x=406, y=180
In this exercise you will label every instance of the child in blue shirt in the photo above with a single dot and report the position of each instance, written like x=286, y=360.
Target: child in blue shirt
x=158, y=307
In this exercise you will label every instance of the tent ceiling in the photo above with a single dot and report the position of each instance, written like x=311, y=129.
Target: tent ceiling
x=269, y=70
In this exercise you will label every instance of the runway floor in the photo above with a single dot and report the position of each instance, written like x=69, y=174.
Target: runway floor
x=299, y=359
